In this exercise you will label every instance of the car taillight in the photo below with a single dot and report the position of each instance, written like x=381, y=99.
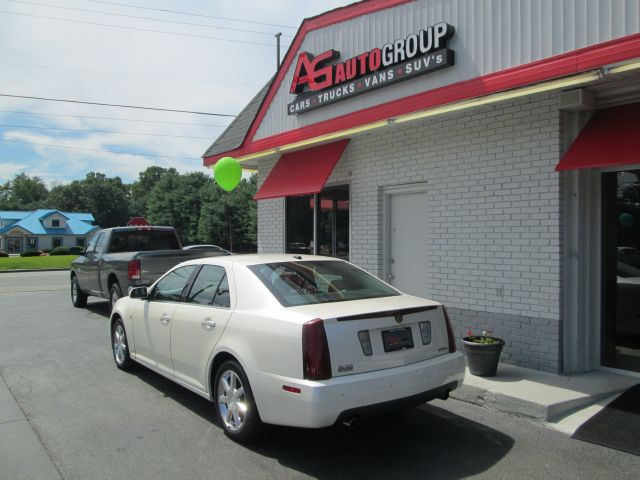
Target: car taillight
x=134, y=270
x=316, y=362
x=452, y=339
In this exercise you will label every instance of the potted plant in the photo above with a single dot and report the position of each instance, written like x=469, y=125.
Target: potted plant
x=482, y=352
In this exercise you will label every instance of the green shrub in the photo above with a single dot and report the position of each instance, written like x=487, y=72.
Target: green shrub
x=76, y=250
x=4, y=254
x=60, y=251
x=46, y=250
x=30, y=253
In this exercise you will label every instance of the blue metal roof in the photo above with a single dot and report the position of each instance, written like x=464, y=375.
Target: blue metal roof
x=76, y=224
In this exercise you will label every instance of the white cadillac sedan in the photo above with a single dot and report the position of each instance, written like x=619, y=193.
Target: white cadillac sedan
x=294, y=340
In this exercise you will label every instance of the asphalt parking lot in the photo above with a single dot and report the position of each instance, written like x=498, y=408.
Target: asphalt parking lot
x=96, y=422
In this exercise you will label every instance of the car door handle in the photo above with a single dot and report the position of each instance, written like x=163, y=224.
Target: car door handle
x=208, y=324
x=164, y=318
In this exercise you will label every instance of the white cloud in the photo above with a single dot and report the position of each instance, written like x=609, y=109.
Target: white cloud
x=8, y=170
x=92, y=47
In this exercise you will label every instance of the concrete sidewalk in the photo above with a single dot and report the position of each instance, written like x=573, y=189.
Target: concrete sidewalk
x=22, y=456
x=541, y=395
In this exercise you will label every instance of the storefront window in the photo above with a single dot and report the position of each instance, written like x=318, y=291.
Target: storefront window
x=332, y=229
x=621, y=269
x=333, y=223
x=300, y=224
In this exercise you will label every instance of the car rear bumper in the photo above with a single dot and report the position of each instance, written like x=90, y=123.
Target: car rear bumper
x=321, y=404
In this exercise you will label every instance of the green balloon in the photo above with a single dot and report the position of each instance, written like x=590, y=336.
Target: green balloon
x=227, y=173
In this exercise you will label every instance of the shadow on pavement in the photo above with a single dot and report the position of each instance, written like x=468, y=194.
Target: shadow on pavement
x=424, y=442
x=100, y=307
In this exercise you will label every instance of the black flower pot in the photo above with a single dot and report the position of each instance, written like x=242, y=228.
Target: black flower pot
x=482, y=358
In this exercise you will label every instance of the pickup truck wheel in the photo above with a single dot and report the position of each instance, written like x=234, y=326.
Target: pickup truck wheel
x=120, y=346
x=78, y=297
x=114, y=294
x=236, y=407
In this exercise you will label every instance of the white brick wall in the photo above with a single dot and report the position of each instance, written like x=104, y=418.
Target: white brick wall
x=493, y=205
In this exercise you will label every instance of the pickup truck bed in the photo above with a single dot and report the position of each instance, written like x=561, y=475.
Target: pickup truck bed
x=120, y=258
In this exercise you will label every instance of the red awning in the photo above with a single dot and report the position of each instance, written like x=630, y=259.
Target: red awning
x=612, y=137
x=302, y=172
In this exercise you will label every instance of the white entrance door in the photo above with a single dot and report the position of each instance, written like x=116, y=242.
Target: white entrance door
x=407, y=236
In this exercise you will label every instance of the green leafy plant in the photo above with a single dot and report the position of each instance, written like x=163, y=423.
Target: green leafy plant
x=486, y=338
x=4, y=254
x=59, y=251
x=30, y=253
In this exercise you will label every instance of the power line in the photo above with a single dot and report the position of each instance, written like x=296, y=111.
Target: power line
x=96, y=150
x=165, y=10
x=115, y=105
x=50, y=67
x=111, y=118
x=31, y=127
x=149, y=30
x=139, y=17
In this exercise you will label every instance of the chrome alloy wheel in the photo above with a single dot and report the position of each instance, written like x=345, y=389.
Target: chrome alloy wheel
x=232, y=403
x=119, y=344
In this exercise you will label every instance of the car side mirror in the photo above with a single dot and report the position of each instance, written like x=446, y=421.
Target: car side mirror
x=138, y=292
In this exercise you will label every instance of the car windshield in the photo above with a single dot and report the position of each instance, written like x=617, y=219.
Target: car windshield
x=309, y=282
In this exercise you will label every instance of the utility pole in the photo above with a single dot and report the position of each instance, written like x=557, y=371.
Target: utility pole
x=278, y=35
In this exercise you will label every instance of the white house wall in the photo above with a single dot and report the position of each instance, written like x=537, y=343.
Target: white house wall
x=491, y=35
x=493, y=210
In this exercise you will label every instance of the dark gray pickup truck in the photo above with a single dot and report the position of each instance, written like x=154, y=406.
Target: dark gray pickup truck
x=122, y=257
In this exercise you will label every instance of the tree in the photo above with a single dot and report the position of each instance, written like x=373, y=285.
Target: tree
x=176, y=200
x=106, y=198
x=229, y=219
x=141, y=189
x=23, y=193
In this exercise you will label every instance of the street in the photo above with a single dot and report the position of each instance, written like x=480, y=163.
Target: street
x=97, y=422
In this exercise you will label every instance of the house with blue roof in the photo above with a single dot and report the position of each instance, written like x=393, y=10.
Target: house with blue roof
x=44, y=228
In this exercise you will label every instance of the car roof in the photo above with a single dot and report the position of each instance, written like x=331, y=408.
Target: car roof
x=259, y=258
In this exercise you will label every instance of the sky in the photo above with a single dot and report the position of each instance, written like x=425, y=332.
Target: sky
x=103, y=51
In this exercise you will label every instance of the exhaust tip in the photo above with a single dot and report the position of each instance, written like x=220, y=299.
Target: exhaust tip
x=445, y=395
x=351, y=423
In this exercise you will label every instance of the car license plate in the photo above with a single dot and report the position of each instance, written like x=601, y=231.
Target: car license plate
x=397, y=339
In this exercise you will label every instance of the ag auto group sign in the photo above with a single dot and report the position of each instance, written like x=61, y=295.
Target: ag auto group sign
x=320, y=80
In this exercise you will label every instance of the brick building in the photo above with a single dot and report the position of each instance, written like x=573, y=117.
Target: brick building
x=482, y=154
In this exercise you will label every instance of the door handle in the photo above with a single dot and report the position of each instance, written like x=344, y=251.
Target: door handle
x=208, y=324
x=164, y=318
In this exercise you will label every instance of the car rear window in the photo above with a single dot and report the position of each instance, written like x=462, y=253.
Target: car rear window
x=143, y=240
x=310, y=282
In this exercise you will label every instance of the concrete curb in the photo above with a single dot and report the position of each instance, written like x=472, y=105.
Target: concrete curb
x=36, y=270
x=540, y=395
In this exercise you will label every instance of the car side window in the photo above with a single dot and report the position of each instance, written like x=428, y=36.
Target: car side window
x=170, y=287
x=92, y=244
x=102, y=239
x=210, y=287
x=222, y=298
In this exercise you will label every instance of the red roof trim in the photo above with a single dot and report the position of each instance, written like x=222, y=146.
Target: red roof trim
x=569, y=63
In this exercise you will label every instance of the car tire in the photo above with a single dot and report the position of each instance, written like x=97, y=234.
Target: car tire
x=120, y=346
x=78, y=297
x=115, y=293
x=235, y=406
